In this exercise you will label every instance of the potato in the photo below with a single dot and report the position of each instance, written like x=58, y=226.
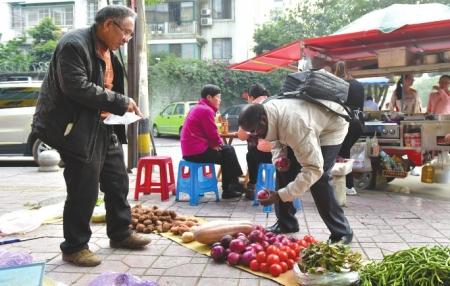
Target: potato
x=147, y=222
x=134, y=221
x=166, y=226
x=187, y=237
x=147, y=230
x=140, y=227
x=159, y=228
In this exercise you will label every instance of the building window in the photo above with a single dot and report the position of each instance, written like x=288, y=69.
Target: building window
x=221, y=49
x=185, y=51
x=174, y=12
x=222, y=9
x=91, y=10
x=26, y=17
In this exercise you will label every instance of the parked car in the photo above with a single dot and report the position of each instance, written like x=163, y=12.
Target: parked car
x=17, y=104
x=232, y=114
x=170, y=120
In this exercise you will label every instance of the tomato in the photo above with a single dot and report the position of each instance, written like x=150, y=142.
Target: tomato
x=309, y=239
x=254, y=265
x=275, y=270
x=284, y=248
x=264, y=267
x=304, y=243
x=284, y=255
x=273, y=259
x=261, y=256
x=272, y=249
x=295, y=247
x=291, y=254
x=290, y=263
x=284, y=266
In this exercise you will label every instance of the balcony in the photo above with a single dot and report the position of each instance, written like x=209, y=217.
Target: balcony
x=172, y=30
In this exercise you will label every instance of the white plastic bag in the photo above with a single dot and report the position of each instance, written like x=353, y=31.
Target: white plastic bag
x=361, y=161
x=327, y=279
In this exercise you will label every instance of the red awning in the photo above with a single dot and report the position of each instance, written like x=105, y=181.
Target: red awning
x=359, y=48
x=281, y=57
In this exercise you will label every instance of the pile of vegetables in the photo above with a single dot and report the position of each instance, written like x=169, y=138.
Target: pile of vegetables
x=149, y=219
x=421, y=266
x=320, y=258
x=260, y=250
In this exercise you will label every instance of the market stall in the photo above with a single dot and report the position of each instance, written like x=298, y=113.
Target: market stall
x=417, y=47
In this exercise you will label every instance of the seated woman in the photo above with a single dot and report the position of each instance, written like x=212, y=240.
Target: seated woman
x=258, y=150
x=201, y=143
x=405, y=98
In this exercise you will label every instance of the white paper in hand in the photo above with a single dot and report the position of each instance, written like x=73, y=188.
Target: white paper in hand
x=127, y=118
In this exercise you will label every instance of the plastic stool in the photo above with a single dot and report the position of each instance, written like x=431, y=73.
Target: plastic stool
x=266, y=180
x=195, y=179
x=164, y=185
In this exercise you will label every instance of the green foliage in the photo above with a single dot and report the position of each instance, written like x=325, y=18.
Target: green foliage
x=45, y=36
x=312, y=18
x=13, y=56
x=176, y=79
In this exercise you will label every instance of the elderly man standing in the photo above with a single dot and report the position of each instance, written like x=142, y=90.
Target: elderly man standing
x=306, y=140
x=83, y=85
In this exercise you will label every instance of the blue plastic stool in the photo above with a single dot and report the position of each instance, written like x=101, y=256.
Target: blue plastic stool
x=266, y=180
x=195, y=179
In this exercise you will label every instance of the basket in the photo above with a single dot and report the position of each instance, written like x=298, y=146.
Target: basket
x=394, y=174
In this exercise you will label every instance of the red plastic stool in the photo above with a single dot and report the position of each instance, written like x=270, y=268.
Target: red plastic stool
x=164, y=185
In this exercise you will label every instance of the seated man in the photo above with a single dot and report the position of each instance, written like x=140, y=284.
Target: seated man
x=201, y=143
x=256, y=153
x=439, y=99
x=308, y=139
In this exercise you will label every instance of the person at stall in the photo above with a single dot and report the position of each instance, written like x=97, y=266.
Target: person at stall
x=439, y=98
x=355, y=101
x=306, y=139
x=201, y=142
x=405, y=99
x=258, y=150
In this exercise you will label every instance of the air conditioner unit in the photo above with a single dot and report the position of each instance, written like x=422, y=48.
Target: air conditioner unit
x=205, y=12
x=206, y=21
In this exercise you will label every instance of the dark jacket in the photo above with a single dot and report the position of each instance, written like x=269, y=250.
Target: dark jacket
x=72, y=96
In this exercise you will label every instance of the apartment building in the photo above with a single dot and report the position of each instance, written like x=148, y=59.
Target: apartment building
x=219, y=30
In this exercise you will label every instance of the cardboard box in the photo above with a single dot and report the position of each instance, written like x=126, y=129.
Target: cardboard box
x=394, y=57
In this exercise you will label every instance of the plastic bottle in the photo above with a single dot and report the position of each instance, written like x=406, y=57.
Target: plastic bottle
x=374, y=146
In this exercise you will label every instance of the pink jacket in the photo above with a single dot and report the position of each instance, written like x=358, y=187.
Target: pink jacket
x=439, y=102
x=199, y=129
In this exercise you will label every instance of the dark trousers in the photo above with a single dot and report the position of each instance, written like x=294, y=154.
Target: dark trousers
x=226, y=158
x=354, y=132
x=322, y=192
x=107, y=170
x=254, y=158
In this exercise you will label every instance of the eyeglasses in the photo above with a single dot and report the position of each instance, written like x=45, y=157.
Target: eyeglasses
x=129, y=35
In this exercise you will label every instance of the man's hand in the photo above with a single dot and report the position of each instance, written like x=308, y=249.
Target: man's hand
x=272, y=199
x=283, y=164
x=132, y=107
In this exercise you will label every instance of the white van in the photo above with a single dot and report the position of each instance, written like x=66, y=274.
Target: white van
x=17, y=104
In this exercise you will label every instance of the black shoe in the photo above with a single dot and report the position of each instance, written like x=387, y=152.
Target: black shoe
x=346, y=239
x=231, y=195
x=236, y=187
x=277, y=229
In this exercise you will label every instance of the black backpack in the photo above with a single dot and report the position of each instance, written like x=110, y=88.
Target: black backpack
x=319, y=84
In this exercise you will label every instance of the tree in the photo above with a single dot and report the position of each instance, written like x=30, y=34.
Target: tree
x=13, y=57
x=312, y=18
x=45, y=37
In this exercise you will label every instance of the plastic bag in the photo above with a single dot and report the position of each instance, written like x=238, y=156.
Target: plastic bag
x=120, y=279
x=327, y=279
x=361, y=161
x=9, y=258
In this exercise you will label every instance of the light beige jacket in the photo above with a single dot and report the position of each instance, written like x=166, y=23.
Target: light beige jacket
x=304, y=127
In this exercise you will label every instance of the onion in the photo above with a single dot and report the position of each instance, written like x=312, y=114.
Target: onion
x=233, y=258
x=218, y=253
x=258, y=247
x=249, y=248
x=237, y=245
x=280, y=237
x=270, y=234
x=272, y=240
x=256, y=236
x=277, y=244
x=244, y=239
x=265, y=244
x=215, y=244
x=225, y=240
x=240, y=234
x=247, y=256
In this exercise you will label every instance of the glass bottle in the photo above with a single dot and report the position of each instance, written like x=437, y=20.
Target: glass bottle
x=427, y=173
